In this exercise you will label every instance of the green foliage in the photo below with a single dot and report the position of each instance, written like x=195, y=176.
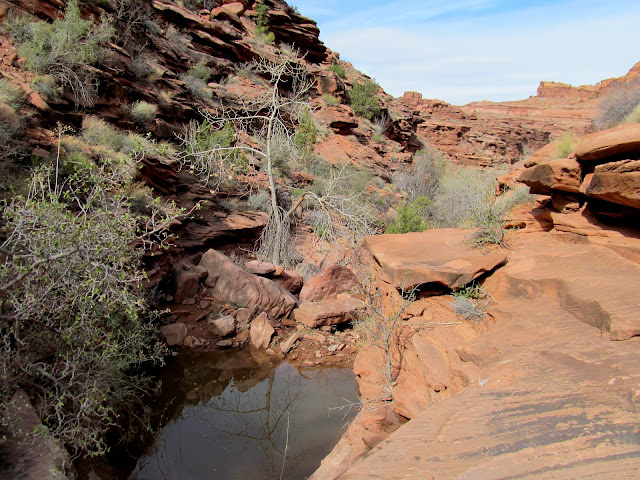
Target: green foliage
x=618, y=104
x=262, y=24
x=305, y=137
x=338, y=69
x=364, y=99
x=330, y=100
x=98, y=132
x=634, y=116
x=75, y=325
x=200, y=71
x=566, y=146
x=143, y=113
x=410, y=217
x=11, y=94
x=65, y=48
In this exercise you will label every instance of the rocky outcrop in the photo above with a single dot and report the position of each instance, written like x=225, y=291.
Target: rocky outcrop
x=563, y=174
x=436, y=258
x=608, y=144
x=597, y=190
x=532, y=391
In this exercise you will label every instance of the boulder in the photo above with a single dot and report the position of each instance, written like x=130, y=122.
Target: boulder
x=223, y=326
x=543, y=155
x=616, y=182
x=616, y=141
x=289, y=280
x=558, y=174
x=328, y=312
x=174, y=334
x=187, y=283
x=328, y=284
x=259, y=268
x=230, y=283
x=261, y=331
x=440, y=257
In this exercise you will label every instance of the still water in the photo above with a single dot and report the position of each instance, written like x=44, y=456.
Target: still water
x=240, y=416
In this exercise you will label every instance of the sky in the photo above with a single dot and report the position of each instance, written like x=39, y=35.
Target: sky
x=470, y=50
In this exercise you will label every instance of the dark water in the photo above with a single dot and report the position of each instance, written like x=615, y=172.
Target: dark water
x=233, y=416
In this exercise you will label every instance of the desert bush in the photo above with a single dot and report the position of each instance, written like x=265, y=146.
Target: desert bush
x=262, y=24
x=208, y=152
x=364, y=99
x=618, y=105
x=11, y=95
x=73, y=324
x=566, y=146
x=338, y=69
x=422, y=177
x=260, y=201
x=143, y=113
x=197, y=87
x=179, y=41
x=305, y=136
x=47, y=86
x=200, y=71
x=141, y=66
x=410, y=217
x=65, y=48
x=330, y=100
x=470, y=302
x=98, y=132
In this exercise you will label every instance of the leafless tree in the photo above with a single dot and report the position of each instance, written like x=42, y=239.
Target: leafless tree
x=265, y=128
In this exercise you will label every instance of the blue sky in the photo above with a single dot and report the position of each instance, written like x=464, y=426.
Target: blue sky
x=470, y=50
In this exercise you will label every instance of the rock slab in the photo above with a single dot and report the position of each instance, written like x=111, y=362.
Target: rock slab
x=261, y=331
x=328, y=283
x=328, y=312
x=440, y=257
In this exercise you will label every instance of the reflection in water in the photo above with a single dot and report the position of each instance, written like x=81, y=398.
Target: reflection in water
x=235, y=415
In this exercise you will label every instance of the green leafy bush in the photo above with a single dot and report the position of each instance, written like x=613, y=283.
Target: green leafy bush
x=338, y=69
x=65, y=48
x=76, y=328
x=410, y=217
x=470, y=302
x=364, y=99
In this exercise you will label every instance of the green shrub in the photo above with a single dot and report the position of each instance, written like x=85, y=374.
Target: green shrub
x=98, y=132
x=634, y=116
x=338, y=69
x=47, y=86
x=305, y=138
x=260, y=201
x=65, y=48
x=196, y=80
x=11, y=94
x=143, y=113
x=262, y=24
x=80, y=327
x=617, y=105
x=330, y=100
x=410, y=217
x=141, y=66
x=364, y=99
x=566, y=146
x=200, y=71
